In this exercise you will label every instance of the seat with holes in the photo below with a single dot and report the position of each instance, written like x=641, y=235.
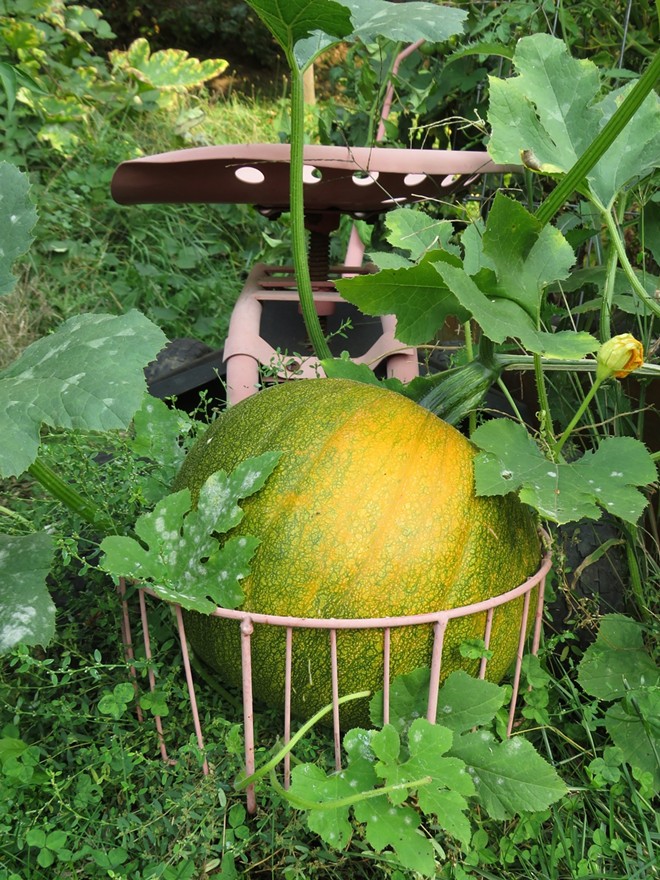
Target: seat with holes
x=362, y=182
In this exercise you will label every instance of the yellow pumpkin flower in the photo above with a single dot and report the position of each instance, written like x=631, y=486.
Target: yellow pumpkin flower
x=619, y=356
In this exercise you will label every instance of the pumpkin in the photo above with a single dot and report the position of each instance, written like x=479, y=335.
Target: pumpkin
x=370, y=512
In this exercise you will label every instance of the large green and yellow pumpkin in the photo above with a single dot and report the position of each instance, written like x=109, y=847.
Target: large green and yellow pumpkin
x=370, y=512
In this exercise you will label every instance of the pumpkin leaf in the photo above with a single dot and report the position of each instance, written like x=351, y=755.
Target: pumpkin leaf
x=634, y=725
x=525, y=254
x=550, y=111
x=617, y=668
x=510, y=777
x=397, y=826
x=512, y=261
x=17, y=218
x=563, y=492
x=617, y=662
x=87, y=375
x=414, y=231
x=304, y=28
x=464, y=702
x=158, y=433
x=422, y=21
x=447, y=783
x=318, y=791
x=419, y=300
x=180, y=555
x=166, y=69
x=27, y=613
x=332, y=825
x=344, y=368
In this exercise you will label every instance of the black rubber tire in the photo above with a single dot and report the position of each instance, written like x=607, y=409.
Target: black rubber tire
x=177, y=354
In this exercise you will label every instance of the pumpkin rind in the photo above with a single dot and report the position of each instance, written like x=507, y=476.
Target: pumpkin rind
x=370, y=512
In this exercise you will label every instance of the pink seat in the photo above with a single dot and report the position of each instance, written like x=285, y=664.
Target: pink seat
x=359, y=181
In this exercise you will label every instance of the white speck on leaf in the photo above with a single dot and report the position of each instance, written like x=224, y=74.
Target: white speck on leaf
x=249, y=480
x=17, y=627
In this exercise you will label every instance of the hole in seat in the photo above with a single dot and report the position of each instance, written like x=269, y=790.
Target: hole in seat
x=365, y=178
x=311, y=174
x=414, y=179
x=248, y=174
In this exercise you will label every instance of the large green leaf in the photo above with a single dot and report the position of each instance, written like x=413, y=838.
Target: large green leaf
x=617, y=667
x=27, y=613
x=551, y=112
x=17, y=217
x=526, y=255
x=448, y=784
x=414, y=294
x=310, y=782
x=563, y=492
x=180, y=555
x=306, y=27
x=416, y=232
x=510, y=265
x=634, y=725
x=617, y=662
x=418, y=21
x=318, y=22
x=510, y=777
x=87, y=375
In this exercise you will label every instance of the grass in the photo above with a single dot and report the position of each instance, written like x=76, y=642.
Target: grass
x=183, y=265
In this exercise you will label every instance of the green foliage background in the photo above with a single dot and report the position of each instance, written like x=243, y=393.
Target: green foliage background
x=84, y=793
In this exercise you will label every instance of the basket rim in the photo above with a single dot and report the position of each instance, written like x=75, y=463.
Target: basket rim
x=247, y=618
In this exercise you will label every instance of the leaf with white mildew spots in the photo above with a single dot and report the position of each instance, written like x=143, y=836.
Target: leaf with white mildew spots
x=510, y=777
x=27, y=613
x=397, y=826
x=444, y=795
x=182, y=556
x=563, y=492
x=334, y=791
x=87, y=375
x=396, y=777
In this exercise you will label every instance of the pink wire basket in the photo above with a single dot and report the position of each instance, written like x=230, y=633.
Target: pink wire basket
x=249, y=622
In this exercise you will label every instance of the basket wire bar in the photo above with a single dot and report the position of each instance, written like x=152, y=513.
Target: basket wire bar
x=439, y=629
x=519, y=659
x=335, y=697
x=191, y=686
x=487, y=632
x=249, y=621
x=386, y=674
x=150, y=672
x=287, y=702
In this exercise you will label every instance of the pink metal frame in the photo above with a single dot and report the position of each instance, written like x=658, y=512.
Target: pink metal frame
x=439, y=620
x=246, y=350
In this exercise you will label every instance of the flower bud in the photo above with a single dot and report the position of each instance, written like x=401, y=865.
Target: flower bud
x=619, y=356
